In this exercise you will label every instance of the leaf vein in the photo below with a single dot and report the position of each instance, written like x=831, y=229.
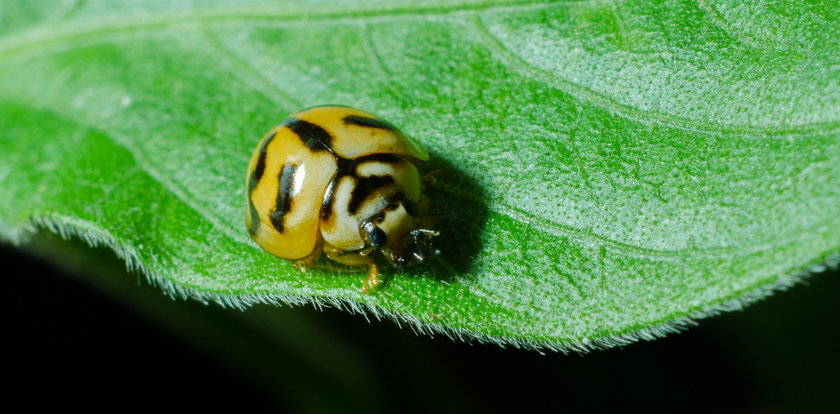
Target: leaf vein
x=717, y=19
x=144, y=166
x=518, y=65
x=40, y=36
x=265, y=86
x=551, y=227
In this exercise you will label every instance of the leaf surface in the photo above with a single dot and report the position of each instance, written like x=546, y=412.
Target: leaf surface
x=614, y=169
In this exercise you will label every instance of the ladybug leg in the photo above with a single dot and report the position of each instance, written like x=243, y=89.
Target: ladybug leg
x=423, y=205
x=307, y=261
x=373, y=281
x=426, y=224
x=429, y=179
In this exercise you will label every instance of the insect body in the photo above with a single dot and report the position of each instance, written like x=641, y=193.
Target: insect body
x=342, y=181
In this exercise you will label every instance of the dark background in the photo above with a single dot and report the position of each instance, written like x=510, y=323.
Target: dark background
x=82, y=332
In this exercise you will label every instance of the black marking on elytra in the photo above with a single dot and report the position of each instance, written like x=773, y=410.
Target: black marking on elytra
x=345, y=166
x=398, y=198
x=312, y=136
x=364, y=188
x=383, y=158
x=255, y=218
x=410, y=206
x=284, y=196
x=365, y=121
x=254, y=179
x=329, y=195
x=259, y=169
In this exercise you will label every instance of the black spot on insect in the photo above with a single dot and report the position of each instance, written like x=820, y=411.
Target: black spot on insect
x=365, y=121
x=284, y=196
x=410, y=206
x=383, y=158
x=329, y=195
x=259, y=169
x=395, y=199
x=312, y=136
x=254, y=179
x=364, y=188
x=255, y=218
x=345, y=166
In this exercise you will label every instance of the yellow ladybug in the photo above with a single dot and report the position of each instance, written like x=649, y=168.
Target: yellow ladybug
x=342, y=181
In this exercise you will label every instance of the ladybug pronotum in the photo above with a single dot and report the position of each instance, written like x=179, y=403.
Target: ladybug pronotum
x=342, y=181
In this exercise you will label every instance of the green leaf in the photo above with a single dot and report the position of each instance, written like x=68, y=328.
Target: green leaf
x=615, y=169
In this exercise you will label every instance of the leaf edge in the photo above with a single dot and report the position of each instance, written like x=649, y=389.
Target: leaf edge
x=69, y=228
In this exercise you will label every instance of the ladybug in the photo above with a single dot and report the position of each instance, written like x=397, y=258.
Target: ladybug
x=344, y=182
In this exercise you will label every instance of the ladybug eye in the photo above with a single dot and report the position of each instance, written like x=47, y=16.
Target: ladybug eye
x=380, y=218
x=392, y=206
x=376, y=236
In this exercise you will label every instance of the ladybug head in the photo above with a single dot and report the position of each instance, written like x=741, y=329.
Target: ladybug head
x=402, y=237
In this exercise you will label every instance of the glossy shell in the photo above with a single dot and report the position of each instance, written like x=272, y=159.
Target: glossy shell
x=315, y=176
